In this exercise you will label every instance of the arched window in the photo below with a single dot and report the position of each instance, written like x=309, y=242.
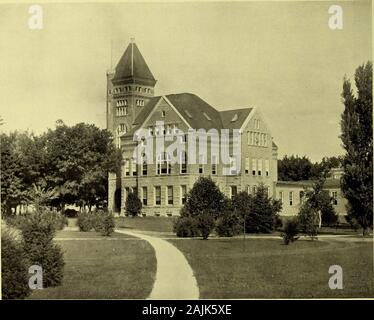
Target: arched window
x=163, y=163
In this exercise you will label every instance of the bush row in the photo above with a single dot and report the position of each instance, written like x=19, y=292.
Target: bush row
x=99, y=221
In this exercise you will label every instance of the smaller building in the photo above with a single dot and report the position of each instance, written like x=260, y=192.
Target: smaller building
x=292, y=193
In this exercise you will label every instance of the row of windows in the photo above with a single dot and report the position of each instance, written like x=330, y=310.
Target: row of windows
x=157, y=195
x=291, y=202
x=257, y=139
x=163, y=165
x=122, y=102
x=122, y=111
x=129, y=88
x=140, y=102
x=257, y=167
x=168, y=129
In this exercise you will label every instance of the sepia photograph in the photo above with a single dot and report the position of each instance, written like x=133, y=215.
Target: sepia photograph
x=187, y=151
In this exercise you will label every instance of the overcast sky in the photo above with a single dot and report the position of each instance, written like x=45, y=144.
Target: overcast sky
x=278, y=56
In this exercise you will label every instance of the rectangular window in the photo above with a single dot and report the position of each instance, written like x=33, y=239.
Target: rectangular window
x=334, y=195
x=265, y=140
x=183, y=194
x=144, y=195
x=233, y=168
x=254, y=166
x=183, y=162
x=233, y=191
x=144, y=167
x=170, y=195
x=291, y=197
x=127, y=167
x=134, y=167
x=246, y=165
x=267, y=167
x=252, y=138
x=214, y=164
x=281, y=196
x=259, y=167
x=201, y=164
x=158, y=195
x=249, y=135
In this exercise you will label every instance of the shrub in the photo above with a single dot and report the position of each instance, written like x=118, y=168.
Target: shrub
x=60, y=220
x=133, y=204
x=308, y=220
x=291, y=230
x=228, y=225
x=14, y=268
x=186, y=227
x=107, y=224
x=352, y=222
x=205, y=223
x=85, y=222
x=97, y=220
x=38, y=230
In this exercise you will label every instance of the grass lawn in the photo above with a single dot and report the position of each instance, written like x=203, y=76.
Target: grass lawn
x=98, y=268
x=265, y=268
x=160, y=224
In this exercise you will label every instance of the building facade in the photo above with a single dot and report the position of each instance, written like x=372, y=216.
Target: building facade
x=160, y=182
x=291, y=194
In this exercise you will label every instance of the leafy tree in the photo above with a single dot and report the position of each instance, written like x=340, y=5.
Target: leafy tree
x=357, y=138
x=13, y=191
x=78, y=161
x=205, y=203
x=320, y=200
x=294, y=168
x=308, y=220
x=133, y=204
x=204, y=197
x=260, y=211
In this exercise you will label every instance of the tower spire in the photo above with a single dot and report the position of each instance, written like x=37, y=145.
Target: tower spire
x=132, y=41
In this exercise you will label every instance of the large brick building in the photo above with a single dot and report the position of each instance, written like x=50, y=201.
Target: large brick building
x=162, y=186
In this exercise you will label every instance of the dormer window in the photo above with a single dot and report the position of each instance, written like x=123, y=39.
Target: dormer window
x=188, y=113
x=206, y=116
x=234, y=118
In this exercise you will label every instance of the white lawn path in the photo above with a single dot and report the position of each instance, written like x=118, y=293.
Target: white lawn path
x=174, y=276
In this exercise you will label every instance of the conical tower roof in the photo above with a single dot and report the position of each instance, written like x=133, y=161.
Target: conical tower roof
x=132, y=68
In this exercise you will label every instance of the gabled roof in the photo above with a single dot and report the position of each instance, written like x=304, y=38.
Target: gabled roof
x=234, y=119
x=196, y=112
x=132, y=68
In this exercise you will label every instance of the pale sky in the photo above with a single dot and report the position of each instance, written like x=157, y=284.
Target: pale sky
x=278, y=56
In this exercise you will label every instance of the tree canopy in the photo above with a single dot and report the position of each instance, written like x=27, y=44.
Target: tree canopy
x=74, y=161
x=357, y=140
